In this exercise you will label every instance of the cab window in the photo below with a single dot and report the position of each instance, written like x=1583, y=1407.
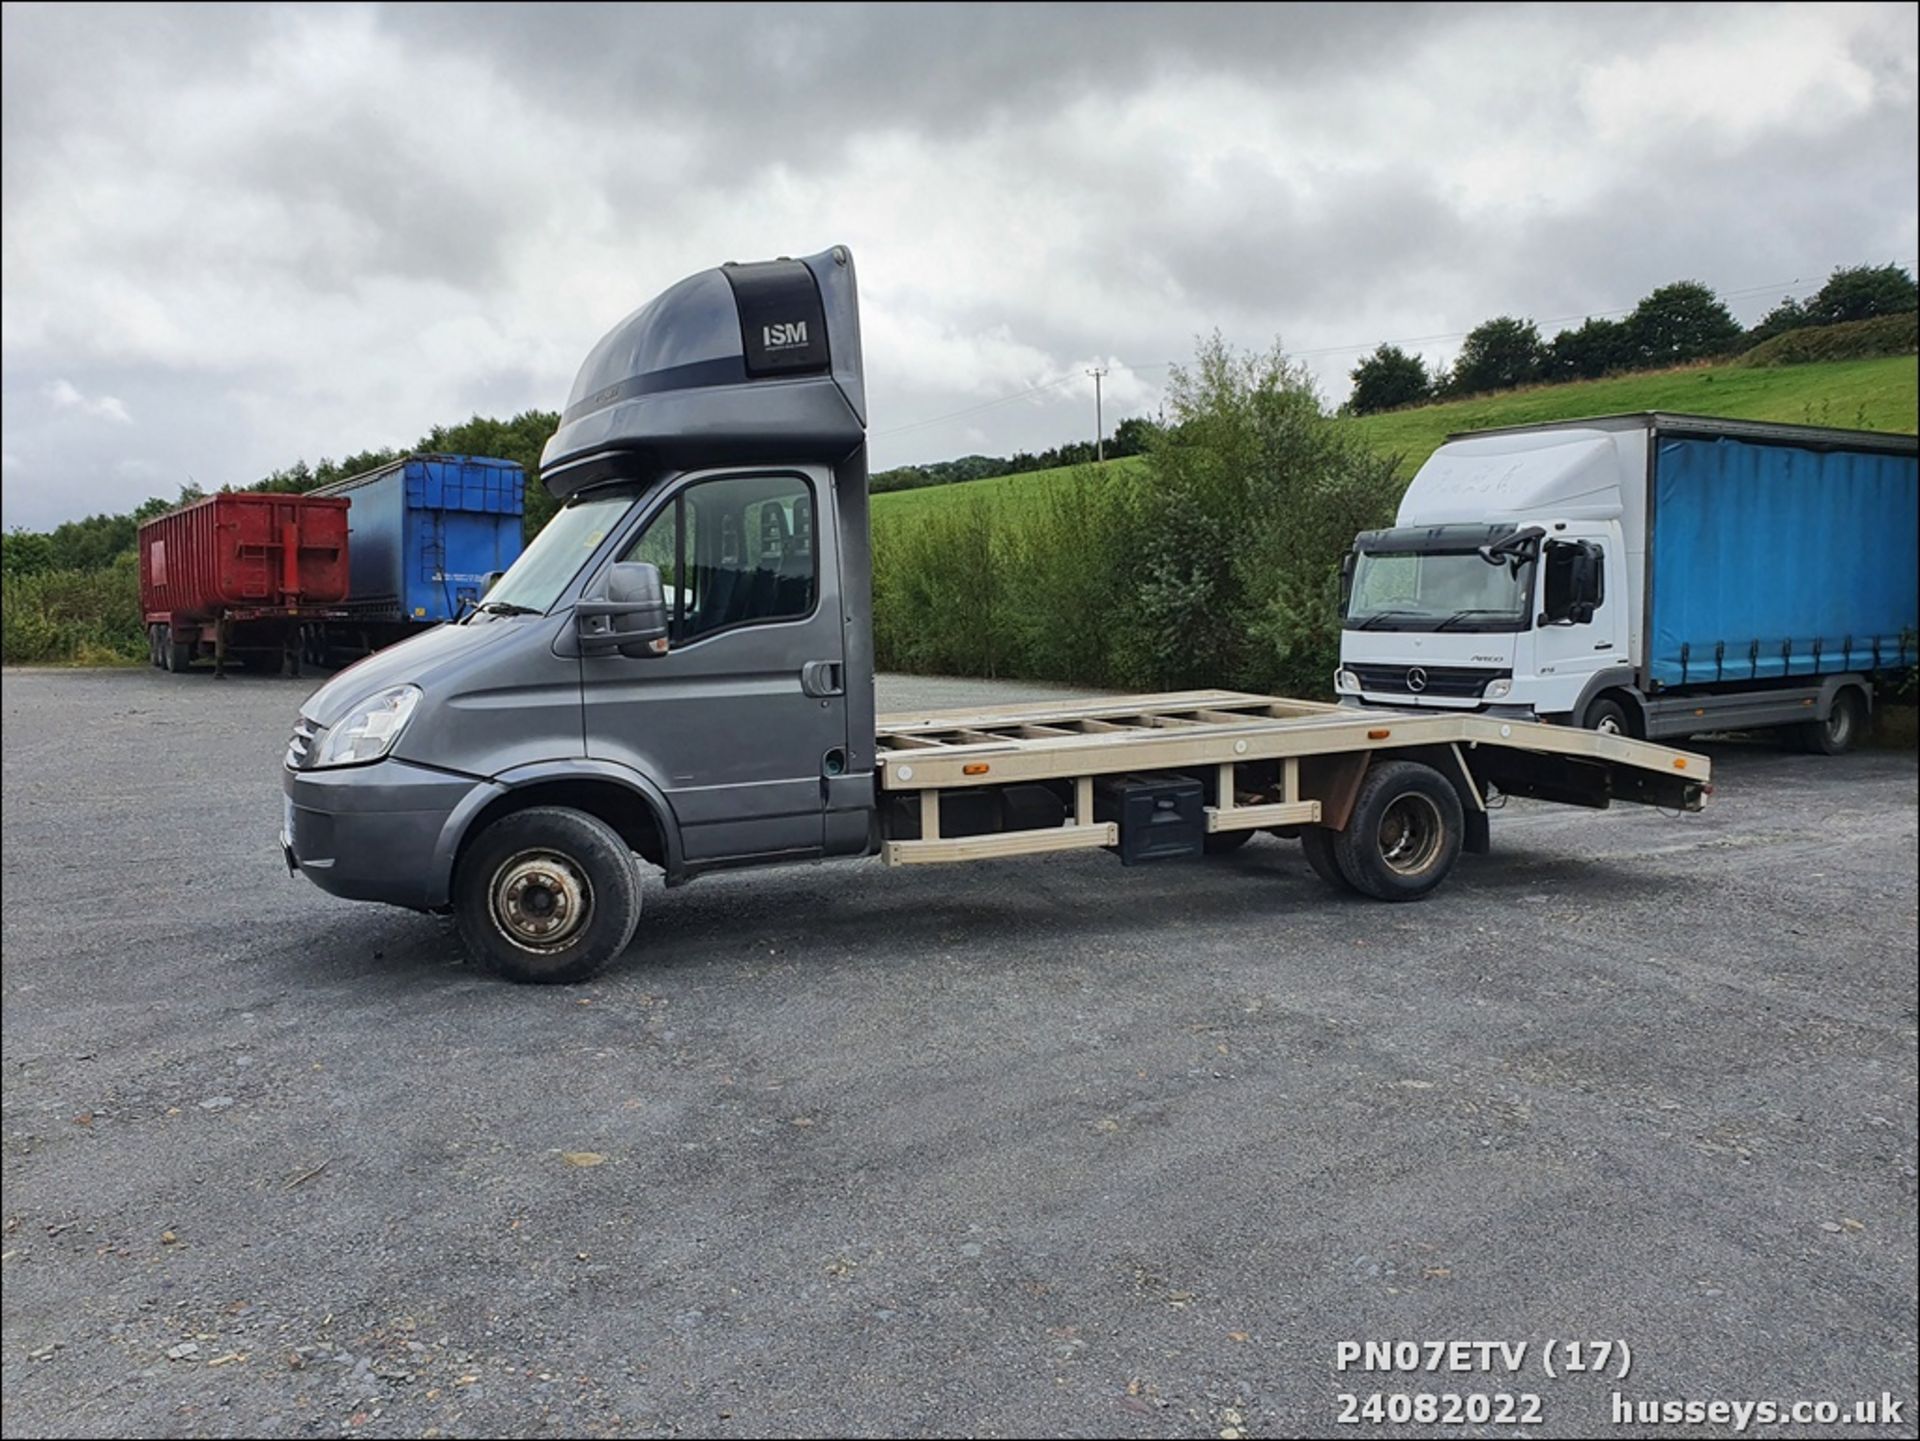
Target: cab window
x=733, y=552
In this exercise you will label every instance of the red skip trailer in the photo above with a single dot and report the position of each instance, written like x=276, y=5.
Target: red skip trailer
x=240, y=574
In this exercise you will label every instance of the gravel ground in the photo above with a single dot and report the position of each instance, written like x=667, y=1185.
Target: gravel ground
x=1037, y=1147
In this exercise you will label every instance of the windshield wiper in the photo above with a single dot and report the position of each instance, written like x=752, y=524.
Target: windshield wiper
x=1463, y=614
x=505, y=607
x=1373, y=621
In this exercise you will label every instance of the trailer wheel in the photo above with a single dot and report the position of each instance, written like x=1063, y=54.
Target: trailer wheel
x=1317, y=842
x=1835, y=735
x=154, y=657
x=179, y=653
x=1404, y=834
x=546, y=896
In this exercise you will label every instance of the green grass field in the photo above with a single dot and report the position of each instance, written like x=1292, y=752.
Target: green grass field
x=1859, y=394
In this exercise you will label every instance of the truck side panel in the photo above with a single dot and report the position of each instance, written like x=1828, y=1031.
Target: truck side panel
x=243, y=550
x=1768, y=561
x=427, y=530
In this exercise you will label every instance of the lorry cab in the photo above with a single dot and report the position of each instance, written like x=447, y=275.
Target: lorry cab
x=681, y=660
x=1504, y=586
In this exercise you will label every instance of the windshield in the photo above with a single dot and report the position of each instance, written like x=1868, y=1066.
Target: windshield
x=557, y=553
x=1437, y=590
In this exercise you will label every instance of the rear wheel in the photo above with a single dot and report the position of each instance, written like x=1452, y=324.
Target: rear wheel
x=1404, y=834
x=179, y=653
x=546, y=896
x=1840, y=731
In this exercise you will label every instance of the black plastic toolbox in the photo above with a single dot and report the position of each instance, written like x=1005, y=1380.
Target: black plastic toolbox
x=1160, y=817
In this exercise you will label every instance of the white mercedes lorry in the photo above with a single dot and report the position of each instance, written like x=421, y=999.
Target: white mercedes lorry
x=1647, y=575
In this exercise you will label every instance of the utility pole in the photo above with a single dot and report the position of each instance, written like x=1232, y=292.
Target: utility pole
x=1099, y=423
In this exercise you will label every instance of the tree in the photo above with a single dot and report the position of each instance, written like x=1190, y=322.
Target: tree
x=1387, y=380
x=1680, y=322
x=1132, y=436
x=1789, y=314
x=1498, y=354
x=1597, y=348
x=1861, y=292
x=25, y=552
x=1248, y=502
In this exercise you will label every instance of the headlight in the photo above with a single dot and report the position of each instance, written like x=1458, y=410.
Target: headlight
x=1346, y=681
x=368, y=731
x=1499, y=689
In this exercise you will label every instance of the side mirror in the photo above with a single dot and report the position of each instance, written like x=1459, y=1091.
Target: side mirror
x=628, y=613
x=1347, y=563
x=492, y=579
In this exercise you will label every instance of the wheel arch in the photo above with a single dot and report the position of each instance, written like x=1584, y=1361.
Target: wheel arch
x=1614, y=683
x=632, y=805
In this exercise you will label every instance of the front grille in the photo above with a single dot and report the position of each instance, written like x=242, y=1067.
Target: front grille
x=1444, y=682
x=300, y=748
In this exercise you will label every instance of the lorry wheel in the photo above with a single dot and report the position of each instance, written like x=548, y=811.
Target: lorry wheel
x=153, y=648
x=1220, y=843
x=1404, y=834
x=1835, y=735
x=546, y=896
x=1608, y=717
x=179, y=654
x=1317, y=842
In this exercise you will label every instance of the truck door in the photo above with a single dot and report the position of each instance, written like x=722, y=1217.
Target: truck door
x=1580, y=625
x=746, y=712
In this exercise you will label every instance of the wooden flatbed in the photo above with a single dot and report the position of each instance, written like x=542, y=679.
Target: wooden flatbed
x=1267, y=762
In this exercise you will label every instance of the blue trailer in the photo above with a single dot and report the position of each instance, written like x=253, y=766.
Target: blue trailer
x=426, y=533
x=1655, y=575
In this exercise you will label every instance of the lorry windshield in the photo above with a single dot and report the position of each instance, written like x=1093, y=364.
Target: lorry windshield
x=556, y=554
x=1435, y=590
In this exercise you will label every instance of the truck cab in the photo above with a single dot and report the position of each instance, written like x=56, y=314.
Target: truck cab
x=680, y=662
x=1505, y=585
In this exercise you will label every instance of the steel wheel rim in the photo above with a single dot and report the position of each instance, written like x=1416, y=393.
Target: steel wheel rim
x=1608, y=725
x=1410, y=834
x=540, y=900
x=1840, y=722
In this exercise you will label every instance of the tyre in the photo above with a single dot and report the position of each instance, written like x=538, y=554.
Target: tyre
x=1221, y=843
x=1608, y=717
x=1317, y=842
x=1404, y=834
x=179, y=653
x=546, y=896
x=1840, y=731
x=154, y=638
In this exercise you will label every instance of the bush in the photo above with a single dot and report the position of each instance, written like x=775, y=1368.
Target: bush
x=1214, y=564
x=1856, y=340
x=60, y=616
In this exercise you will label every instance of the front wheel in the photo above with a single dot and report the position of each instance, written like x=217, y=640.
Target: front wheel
x=1608, y=717
x=546, y=896
x=1404, y=834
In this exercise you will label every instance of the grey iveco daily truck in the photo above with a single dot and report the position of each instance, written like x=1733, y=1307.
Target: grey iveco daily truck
x=679, y=670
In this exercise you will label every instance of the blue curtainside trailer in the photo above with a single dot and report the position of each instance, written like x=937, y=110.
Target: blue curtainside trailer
x=1769, y=560
x=427, y=531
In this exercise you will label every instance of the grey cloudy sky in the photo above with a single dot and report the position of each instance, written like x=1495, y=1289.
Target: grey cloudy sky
x=238, y=236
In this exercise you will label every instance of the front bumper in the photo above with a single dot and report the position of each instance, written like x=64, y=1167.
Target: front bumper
x=380, y=832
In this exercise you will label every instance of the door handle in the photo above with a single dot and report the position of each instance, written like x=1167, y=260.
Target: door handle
x=1604, y=645
x=821, y=678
